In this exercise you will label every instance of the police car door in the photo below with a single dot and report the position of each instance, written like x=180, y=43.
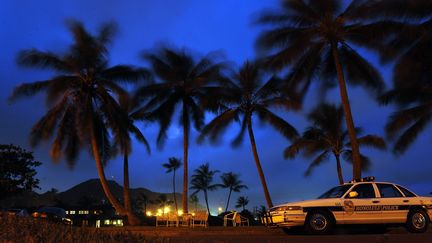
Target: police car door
x=394, y=205
x=361, y=205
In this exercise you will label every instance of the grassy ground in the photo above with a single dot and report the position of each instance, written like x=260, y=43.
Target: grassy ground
x=14, y=229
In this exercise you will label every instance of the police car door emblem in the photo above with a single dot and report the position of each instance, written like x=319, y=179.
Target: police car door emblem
x=348, y=207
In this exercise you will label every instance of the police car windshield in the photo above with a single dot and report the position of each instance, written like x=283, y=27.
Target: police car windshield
x=336, y=192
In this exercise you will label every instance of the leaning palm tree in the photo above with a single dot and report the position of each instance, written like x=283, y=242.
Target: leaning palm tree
x=248, y=96
x=319, y=39
x=233, y=183
x=82, y=100
x=242, y=202
x=327, y=136
x=184, y=82
x=202, y=181
x=172, y=165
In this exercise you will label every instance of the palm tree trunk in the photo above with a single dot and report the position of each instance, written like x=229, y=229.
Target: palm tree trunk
x=132, y=219
x=257, y=162
x=206, y=199
x=111, y=198
x=229, y=196
x=185, y=161
x=339, y=169
x=174, y=192
x=348, y=115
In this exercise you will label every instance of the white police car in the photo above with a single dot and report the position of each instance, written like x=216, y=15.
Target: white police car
x=358, y=202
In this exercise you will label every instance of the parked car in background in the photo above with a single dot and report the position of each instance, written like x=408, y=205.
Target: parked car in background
x=53, y=214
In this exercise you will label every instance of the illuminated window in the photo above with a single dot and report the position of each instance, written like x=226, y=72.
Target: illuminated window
x=72, y=212
x=107, y=222
x=67, y=212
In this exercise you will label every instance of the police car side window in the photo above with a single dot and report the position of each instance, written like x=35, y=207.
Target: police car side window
x=388, y=190
x=406, y=192
x=365, y=191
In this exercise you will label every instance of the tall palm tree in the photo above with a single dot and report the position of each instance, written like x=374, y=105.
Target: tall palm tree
x=186, y=82
x=233, y=183
x=172, y=165
x=202, y=181
x=123, y=141
x=242, y=202
x=82, y=99
x=248, y=96
x=318, y=38
x=326, y=136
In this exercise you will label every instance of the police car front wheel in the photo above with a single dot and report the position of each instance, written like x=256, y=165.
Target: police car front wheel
x=319, y=222
x=417, y=221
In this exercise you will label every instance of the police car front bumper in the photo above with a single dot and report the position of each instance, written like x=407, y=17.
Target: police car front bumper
x=284, y=219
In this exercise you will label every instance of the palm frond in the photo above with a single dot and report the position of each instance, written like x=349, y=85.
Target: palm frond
x=411, y=133
x=277, y=122
x=316, y=162
x=372, y=141
x=36, y=58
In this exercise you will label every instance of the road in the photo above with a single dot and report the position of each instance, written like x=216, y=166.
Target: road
x=262, y=234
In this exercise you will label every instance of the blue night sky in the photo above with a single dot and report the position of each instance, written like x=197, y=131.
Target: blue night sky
x=203, y=26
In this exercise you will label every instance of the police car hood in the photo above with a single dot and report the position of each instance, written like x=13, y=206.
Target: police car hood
x=313, y=203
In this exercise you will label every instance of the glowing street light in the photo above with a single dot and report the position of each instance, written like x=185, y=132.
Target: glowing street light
x=149, y=213
x=166, y=210
x=180, y=212
x=219, y=210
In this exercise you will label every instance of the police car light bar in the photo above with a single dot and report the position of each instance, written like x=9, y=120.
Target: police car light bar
x=364, y=179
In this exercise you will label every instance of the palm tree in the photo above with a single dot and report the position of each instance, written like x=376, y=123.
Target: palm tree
x=162, y=201
x=317, y=38
x=412, y=76
x=82, y=100
x=326, y=136
x=172, y=165
x=242, y=202
x=233, y=183
x=245, y=97
x=123, y=141
x=185, y=82
x=194, y=200
x=202, y=181
x=142, y=201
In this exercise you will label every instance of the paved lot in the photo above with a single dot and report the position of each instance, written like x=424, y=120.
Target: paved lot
x=263, y=234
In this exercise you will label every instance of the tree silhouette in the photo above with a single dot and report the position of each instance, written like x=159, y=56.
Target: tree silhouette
x=82, y=99
x=233, y=183
x=318, y=38
x=412, y=75
x=123, y=142
x=327, y=135
x=172, y=165
x=245, y=97
x=194, y=200
x=186, y=82
x=17, y=170
x=242, y=202
x=202, y=181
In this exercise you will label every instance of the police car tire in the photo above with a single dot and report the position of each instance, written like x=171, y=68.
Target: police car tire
x=326, y=226
x=410, y=224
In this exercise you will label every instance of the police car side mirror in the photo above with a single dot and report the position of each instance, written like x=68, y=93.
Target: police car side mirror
x=353, y=194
